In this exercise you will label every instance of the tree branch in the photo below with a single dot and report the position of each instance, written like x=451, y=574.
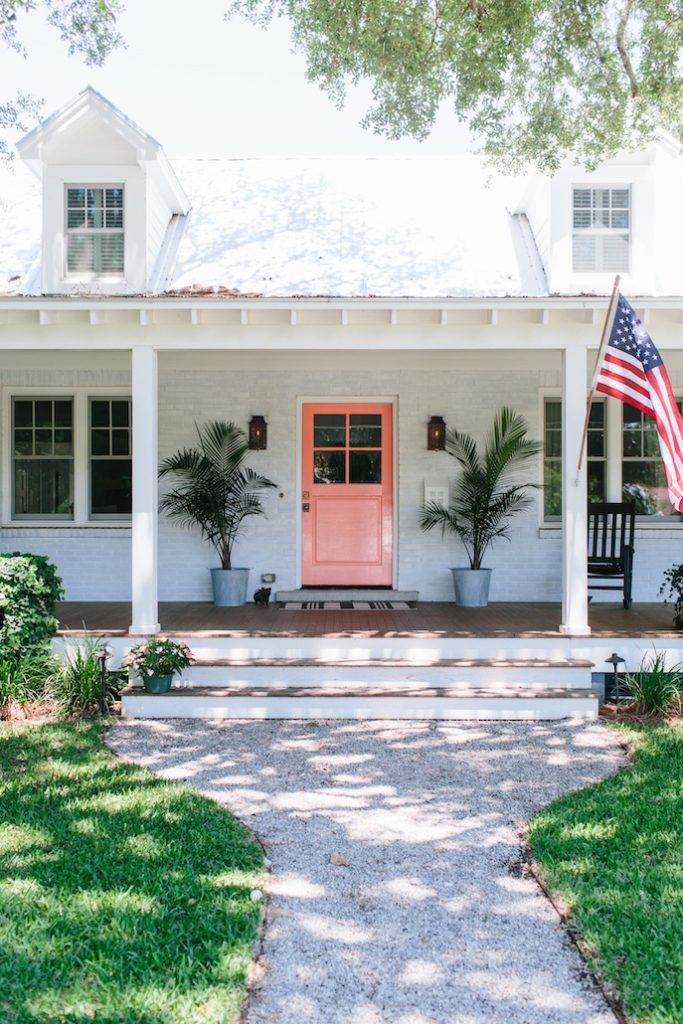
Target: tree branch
x=621, y=46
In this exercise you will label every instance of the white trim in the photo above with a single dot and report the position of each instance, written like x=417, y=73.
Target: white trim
x=79, y=396
x=346, y=400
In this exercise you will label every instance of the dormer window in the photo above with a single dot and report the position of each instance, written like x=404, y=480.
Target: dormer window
x=94, y=230
x=601, y=237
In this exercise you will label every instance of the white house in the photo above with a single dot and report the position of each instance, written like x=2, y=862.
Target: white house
x=140, y=295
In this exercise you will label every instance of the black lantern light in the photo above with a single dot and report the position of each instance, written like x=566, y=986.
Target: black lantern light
x=258, y=434
x=436, y=434
x=615, y=661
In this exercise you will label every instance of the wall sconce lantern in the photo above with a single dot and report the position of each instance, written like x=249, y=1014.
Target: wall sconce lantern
x=258, y=434
x=436, y=434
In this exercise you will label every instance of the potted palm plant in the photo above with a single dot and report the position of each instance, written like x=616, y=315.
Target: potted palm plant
x=215, y=491
x=484, y=498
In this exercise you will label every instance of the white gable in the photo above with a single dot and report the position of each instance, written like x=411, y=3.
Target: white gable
x=87, y=145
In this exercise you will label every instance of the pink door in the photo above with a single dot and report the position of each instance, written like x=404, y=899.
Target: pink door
x=347, y=494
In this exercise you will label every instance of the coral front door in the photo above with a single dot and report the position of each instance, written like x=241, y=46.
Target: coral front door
x=347, y=494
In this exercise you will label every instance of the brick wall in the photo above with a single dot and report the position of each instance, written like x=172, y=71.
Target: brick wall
x=464, y=387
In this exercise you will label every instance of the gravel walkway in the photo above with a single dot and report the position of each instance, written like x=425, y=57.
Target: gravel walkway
x=430, y=922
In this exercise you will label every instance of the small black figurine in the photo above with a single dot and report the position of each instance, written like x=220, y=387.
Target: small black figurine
x=262, y=596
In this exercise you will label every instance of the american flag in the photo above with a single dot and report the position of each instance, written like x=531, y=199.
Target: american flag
x=632, y=370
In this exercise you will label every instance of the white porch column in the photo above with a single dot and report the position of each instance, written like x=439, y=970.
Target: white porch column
x=574, y=495
x=145, y=492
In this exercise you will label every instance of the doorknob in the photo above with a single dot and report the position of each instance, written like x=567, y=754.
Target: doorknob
x=305, y=507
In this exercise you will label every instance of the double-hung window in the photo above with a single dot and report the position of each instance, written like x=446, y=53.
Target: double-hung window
x=601, y=230
x=642, y=470
x=42, y=458
x=71, y=457
x=552, y=460
x=94, y=230
x=111, y=467
x=624, y=459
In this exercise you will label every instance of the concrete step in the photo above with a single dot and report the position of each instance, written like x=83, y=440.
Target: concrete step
x=362, y=702
x=456, y=673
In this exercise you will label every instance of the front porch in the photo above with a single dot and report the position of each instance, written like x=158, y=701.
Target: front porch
x=429, y=620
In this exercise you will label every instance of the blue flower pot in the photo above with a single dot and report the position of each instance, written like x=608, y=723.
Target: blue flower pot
x=157, y=684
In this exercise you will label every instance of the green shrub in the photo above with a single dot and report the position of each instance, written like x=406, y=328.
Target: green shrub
x=83, y=686
x=655, y=689
x=29, y=588
x=26, y=678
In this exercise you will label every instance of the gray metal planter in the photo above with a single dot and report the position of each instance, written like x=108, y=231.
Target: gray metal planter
x=471, y=587
x=229, y=587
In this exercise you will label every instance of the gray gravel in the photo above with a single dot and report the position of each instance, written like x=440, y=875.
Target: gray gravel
x=431, y=923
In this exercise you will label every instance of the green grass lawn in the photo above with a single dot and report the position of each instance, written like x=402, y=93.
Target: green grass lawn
x=123, y=899
x=614, y=854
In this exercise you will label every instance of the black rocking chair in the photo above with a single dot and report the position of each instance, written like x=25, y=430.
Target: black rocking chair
x=611, y=527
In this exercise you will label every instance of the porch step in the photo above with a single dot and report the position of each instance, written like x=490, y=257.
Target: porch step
x=343, y=594
x=416, y=702
x=458, y=673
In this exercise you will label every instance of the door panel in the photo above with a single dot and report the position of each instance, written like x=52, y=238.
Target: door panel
x=347, y=494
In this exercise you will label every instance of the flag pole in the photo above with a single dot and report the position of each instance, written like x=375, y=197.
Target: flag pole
x=601, y=349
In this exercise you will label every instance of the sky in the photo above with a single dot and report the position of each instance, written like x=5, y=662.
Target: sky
x=203, y=86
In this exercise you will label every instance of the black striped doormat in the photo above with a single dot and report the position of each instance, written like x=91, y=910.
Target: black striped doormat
x=344, y=606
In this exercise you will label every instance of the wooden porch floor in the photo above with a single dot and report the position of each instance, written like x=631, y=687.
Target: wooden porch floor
x=428, y=619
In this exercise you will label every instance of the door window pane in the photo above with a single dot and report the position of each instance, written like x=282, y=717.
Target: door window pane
x=365, y=430
x=365, y=467
x=329, y=430
x=329, y=467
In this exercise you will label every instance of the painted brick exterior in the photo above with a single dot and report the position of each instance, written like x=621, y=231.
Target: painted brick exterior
x=464, y=387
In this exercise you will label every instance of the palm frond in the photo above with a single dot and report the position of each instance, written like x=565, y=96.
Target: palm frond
x=213, y=489
x=486, y=495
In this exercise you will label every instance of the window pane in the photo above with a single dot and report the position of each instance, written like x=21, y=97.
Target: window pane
x=99, y=414
x=553, y=413
x=329, y=430
x=553, y=444
x=596, y=444
x=99, y=442
x=645, y=484
x=365, y=430
x=79, y=257
x=23, y=414
x=365, y=467
x=329, y=467
x=23, y=442
x=75, y=219
x=120, y=413
x=43, y=487
x=650, y=440
x=43, y=442
x=108, y=254
x=584, y=253
x=110, y=487
x=552, y=490
x=596, y=481
x=63, y=441
x=43, y=414
x=120, y=442
x=64, y=414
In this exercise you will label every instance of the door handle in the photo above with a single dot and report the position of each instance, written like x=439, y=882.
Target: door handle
x=305, y=507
